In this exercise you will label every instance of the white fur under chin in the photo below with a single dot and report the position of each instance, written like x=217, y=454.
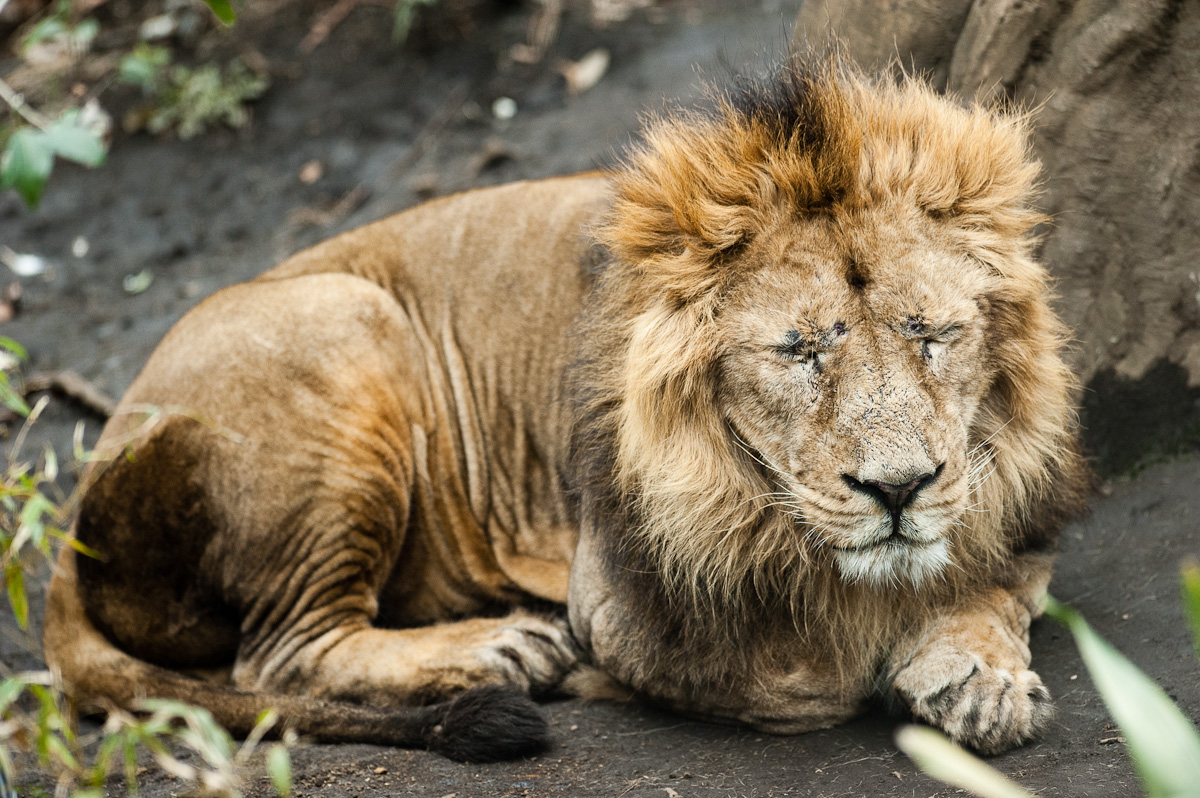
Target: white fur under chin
x=890, y=563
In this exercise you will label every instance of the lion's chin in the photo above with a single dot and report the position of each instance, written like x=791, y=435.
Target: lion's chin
x=893, y=562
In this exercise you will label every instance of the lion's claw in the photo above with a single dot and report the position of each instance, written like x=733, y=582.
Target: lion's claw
x=989, y=709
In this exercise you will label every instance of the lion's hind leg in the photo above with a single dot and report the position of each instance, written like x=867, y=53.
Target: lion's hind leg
x=482, y=724
x=423, y=665
x=348, y=496
x=275, y=493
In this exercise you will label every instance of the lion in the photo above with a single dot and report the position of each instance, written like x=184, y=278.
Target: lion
x=767, y=423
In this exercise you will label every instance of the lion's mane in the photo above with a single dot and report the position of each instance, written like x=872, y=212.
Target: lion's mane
x=660, y=470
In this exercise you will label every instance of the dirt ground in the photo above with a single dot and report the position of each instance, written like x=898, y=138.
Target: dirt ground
x=391, y=126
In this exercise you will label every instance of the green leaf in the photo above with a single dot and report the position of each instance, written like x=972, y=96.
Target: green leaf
x=83, y=33
x=59, y=750
x=1191, y=599
x=1164, y=746
x=14, y=347
x=279, y=768
x=403, y=17
x=11, y=399
x=144, y=66
x=137, y=283
x=223, y=10
x=70, y=140
x=131, y=782
x=102, y=764
x=31, y=516
x=26, y=164
x=14, y=579
x=946, y=762
x=52, y=27
x=9, y=690
x=72, y=541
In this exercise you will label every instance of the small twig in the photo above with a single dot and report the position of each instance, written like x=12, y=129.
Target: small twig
x=330, y=20
x=325, y=24
x=74, y=387
x=438, y=122
x=543, y=28
x=351, y=202
x=17, y=103
x=641, y=732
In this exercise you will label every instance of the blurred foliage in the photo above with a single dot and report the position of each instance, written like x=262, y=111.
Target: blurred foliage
x=35, y=716
x=404, y=15
x=31, y=522
x=185, y=99
x=1191, y=599
x=30, y=151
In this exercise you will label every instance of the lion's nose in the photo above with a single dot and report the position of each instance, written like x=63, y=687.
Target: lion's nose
x=895, y=496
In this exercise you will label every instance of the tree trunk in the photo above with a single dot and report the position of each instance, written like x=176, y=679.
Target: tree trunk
x=1117, y=84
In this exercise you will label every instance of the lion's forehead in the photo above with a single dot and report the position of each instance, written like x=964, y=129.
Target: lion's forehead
x=813, y=291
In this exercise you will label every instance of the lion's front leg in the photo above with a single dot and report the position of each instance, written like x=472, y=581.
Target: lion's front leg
x=968, y=674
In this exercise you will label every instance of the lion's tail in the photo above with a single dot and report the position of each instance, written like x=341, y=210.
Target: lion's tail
x=481, y=725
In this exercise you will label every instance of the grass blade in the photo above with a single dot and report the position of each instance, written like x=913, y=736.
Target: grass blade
x=946, y=762
x=15, y=583
x=1191, y=599
x=223, y=10
x=279, y=768
x=1163, y=744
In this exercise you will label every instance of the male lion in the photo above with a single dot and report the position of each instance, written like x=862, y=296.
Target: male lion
x=810, y=443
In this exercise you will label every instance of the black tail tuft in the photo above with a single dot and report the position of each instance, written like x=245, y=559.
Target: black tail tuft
x=488, y=724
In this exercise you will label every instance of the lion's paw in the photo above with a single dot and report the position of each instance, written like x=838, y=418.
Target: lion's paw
x=987, y=708
x=530, y=653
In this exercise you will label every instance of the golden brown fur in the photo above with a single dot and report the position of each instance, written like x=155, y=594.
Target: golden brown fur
x=817, y=431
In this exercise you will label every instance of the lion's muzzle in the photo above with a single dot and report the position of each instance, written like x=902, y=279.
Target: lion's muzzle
x=894, y=496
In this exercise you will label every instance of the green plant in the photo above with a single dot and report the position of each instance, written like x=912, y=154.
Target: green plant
x=33, y=140
x=404, y=15
x=82, y=765
x=14, y=353
x=29, y=518
x=57, y=32
x=1190, y=587
x=222, y=9
x=1163, y=744
x=30, y=150
x=188, y=99
x=947, y=762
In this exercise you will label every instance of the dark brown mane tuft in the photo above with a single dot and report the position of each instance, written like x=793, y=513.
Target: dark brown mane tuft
x=857, y=274
x=785, y=106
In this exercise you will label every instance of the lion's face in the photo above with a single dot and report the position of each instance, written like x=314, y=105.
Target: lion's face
x=852, y=368
x=832, y=277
